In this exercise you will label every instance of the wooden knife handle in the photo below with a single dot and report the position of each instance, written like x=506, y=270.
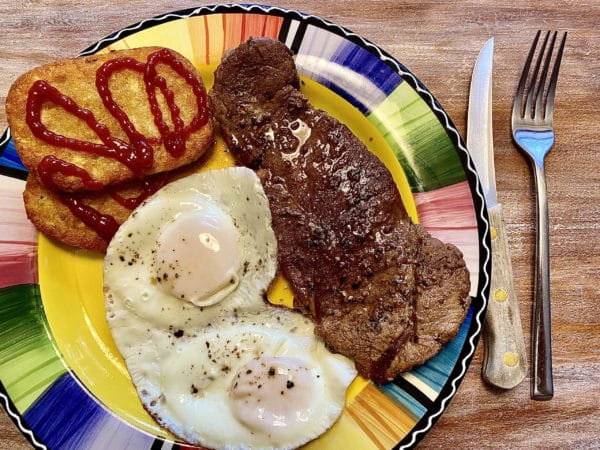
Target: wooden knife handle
x=505, y=360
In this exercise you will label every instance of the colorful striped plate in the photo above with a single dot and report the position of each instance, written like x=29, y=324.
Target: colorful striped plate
x=62, y=380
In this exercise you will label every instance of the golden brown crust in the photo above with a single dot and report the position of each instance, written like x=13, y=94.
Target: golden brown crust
x=54, y=218
x=76, y=79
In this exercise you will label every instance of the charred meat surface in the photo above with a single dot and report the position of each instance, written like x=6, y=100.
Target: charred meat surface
x=378, y=287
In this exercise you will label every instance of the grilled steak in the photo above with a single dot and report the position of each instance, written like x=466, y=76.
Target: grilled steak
x=378, y=287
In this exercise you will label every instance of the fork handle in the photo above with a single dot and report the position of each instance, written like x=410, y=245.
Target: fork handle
x=542, y=387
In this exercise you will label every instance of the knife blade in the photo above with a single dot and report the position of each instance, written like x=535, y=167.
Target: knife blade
x=505, y=360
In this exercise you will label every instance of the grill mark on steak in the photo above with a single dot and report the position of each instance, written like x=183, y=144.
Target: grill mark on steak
x=377, y=286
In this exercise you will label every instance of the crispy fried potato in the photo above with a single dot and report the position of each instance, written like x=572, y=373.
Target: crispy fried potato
x=54, y=218
x=76, y=78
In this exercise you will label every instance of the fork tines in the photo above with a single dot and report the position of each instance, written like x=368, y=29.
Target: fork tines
x=532, y=87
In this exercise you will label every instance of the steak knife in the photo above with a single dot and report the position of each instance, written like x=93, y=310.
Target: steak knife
x=505, y=360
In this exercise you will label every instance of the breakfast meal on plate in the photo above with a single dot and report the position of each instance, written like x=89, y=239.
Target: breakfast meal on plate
x=189, y=258
x=213, y=362
x=98, y=133
x=379, y=288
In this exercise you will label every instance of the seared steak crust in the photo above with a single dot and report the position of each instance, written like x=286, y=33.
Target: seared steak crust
x=355, y=261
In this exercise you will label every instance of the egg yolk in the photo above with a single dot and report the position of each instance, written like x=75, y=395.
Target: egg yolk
x=274, y=395
x=197, y=258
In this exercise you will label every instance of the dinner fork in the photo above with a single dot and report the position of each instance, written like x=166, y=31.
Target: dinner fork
x=533, y=132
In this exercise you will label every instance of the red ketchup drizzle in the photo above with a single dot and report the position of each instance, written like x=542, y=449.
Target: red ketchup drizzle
x=103, y=224
x=40, y=92
x=137, y=154
x=50, y=165
x=149, y=187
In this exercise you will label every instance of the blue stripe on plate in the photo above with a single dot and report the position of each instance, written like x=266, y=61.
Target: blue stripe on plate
x=346, y=68
x=67, y=417
x=416, y=408
x=64, y=414
x=8, y=155
x=370, y=67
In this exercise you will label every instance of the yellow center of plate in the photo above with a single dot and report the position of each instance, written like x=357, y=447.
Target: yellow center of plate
x=71, y=284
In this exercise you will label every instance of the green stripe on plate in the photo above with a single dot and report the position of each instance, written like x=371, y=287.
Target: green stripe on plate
x=418, y=139
x=29, y=362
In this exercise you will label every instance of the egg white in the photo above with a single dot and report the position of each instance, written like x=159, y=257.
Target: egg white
x=187, y=362
x=129, y=265
x=190, y=393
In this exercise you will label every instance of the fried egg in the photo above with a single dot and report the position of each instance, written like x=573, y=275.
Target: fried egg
x=213, y=362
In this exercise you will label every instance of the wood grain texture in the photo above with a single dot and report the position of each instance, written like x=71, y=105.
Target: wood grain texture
x=439, y=42
x=504, y=356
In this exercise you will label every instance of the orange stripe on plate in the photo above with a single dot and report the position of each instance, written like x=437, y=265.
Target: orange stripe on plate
x=272, y=26
x=378, y=416
x=199, y=39
x=232, y=24
x=256, y=25
x=207, y=41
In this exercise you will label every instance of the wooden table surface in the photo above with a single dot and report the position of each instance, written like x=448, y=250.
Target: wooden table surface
x=439, y=41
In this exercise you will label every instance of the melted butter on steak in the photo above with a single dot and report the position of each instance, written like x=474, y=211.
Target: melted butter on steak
x=379, y=288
